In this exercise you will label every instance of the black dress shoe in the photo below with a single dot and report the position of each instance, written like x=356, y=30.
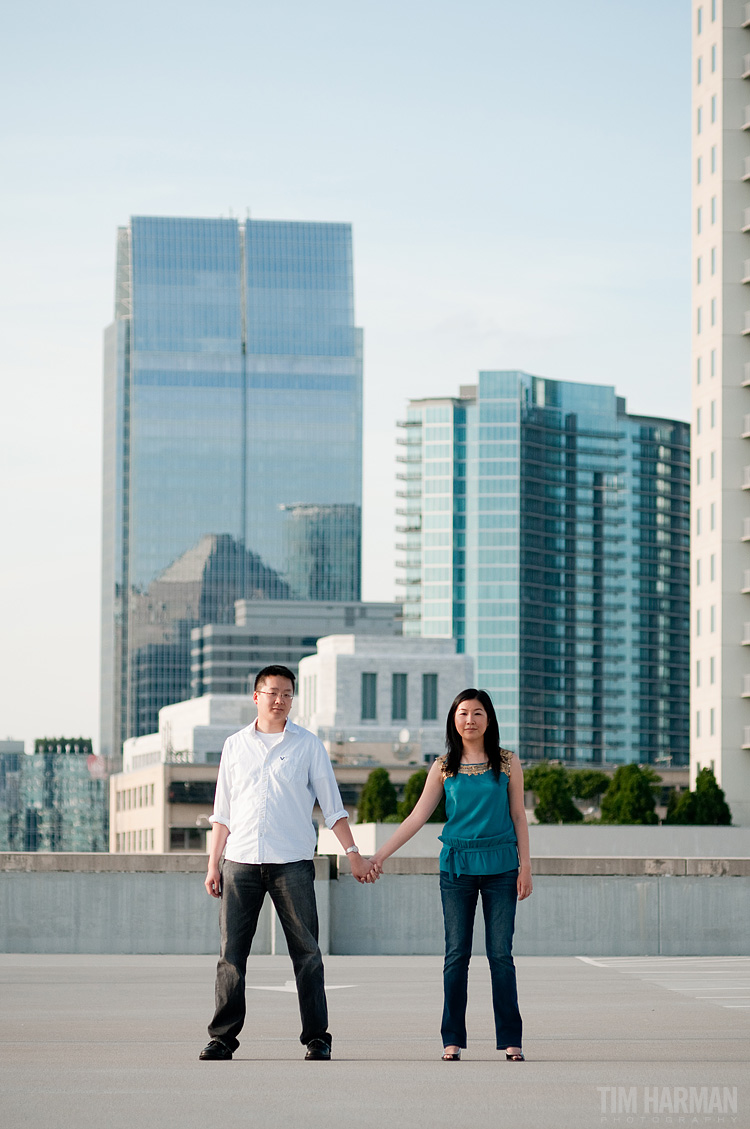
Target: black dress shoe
x=215, y=1049
x=318, y=1049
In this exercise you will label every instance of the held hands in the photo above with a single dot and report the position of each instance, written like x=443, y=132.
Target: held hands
x=365, y=870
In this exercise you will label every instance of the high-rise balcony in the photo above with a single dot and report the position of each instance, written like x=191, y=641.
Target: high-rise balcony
x=746, y=738
x=746, y=174
x=746, y=529
x=746, y=428
x=746, y=271
x=746, y=635
x=746, y=380
x=746, y=478
x=746, y=327
x=746, y=220
x=746, y=122
x=746, y=581
x=746, y=66
x=746, y=21
x=746, y=685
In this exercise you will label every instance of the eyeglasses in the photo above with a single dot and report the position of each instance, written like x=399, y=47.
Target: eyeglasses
x=285, y=697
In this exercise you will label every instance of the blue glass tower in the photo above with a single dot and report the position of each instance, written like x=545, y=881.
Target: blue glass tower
x=232, y=401
x=547, y=531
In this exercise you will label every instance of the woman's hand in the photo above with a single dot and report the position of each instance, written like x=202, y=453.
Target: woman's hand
x=524, y=884
x=376, y=869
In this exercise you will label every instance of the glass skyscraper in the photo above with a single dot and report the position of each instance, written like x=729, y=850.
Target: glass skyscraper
x=232, y=406
x=548, y=531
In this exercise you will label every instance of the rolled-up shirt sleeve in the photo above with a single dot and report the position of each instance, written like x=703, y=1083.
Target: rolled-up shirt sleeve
x=325, y=786
x=223, y=791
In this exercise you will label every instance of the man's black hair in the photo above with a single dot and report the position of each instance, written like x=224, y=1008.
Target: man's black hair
x=274, y=671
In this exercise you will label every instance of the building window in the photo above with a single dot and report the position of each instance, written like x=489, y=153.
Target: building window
x=713, y=515
x=713, y=11
x=700, y=119
x=429, y=697
x=186, y=839
x=697, y=572
x=369, y=696
x=697, y=723
x=699, y=70
x=713, y=413
x=698, y=622
x=698, y=371
x=699, y=18
x=698, y=521
x=699, y=220
x=398, y=697
x=713, y=158
x=713, y=59
x=713, y=311
x=713, y=464
x=698, y=673
x=713, y=107
x=713, y=617
x=713, y=209
x=712, y=672
x=698, y=319
x=697, y=421
x=698, y=270
x=711, y=722
x=713, y=567
x=713, y=362
x=697, y=472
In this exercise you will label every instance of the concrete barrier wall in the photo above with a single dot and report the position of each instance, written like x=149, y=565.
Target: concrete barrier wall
x=580, y=907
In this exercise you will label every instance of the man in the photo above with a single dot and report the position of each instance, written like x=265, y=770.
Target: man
x=270, y=774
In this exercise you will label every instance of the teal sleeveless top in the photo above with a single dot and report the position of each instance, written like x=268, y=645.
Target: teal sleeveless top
x=479, y=836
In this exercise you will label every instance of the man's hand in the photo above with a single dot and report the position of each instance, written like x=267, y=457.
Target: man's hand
x=360, y=866
x=213, y=881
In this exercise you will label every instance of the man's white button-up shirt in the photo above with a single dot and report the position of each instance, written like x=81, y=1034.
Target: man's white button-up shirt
x=266, y=796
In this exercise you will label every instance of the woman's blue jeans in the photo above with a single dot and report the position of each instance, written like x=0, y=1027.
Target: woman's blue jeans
x=459, y=897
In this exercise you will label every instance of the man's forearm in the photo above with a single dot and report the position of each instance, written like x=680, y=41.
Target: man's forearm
x=219, y=836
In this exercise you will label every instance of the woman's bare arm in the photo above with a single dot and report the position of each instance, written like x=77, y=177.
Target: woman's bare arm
x=423, y=809
x=518, y=815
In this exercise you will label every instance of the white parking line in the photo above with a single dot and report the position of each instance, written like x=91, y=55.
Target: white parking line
x=690, y=976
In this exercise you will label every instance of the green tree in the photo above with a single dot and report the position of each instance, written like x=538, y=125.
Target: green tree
x=377, y=799
x=707, y=805
x=412, y=791
x=589, y=783
x=551, y=784
x=631, y=797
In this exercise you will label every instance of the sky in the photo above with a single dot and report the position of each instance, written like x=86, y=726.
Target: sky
x=518, y=180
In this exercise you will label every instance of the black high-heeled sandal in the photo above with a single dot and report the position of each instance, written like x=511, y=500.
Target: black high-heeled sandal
x=518, y=1057
x=456, y=1057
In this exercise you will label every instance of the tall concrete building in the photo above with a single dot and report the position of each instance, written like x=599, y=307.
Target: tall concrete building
x=720, y=572
x=547, y=531
x=232, y=442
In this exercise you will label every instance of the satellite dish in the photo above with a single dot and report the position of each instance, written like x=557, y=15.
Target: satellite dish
x=404, y=737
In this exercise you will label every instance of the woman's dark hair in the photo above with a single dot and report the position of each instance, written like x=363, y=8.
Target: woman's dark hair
x=453, y=743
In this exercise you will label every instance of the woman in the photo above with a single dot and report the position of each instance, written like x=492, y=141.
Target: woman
x=485, y=851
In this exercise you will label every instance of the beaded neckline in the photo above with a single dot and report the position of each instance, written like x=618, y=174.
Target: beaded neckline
x=474, y=769
x=506, y=757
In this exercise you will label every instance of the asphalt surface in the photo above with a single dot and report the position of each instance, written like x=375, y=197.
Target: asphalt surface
x=113, y=1042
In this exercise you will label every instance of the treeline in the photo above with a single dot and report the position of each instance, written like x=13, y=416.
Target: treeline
x=629, y=796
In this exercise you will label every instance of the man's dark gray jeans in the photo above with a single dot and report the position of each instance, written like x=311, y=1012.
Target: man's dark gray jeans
x=244, y=887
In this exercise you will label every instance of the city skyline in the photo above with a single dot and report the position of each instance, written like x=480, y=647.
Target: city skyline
x=507, y=212
x=546, y=529
x=232, y=442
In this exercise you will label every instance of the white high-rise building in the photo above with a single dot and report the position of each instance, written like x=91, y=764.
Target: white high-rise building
x=720, y=541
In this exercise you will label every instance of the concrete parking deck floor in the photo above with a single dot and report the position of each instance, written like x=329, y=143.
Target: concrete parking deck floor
x=113, y=1042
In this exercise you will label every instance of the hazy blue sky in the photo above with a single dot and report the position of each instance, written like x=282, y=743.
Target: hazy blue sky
x=518, y=179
